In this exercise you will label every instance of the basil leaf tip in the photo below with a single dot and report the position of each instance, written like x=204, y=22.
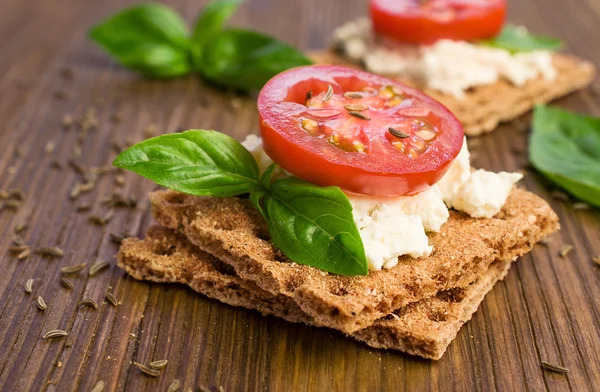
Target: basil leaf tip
x=517, y=39
x=151, y=39
x=311, y=225
x=565, y=148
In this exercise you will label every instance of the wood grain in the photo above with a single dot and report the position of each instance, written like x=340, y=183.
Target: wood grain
x=548, y=308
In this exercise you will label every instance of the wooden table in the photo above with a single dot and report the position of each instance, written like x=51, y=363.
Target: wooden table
x=548, y=308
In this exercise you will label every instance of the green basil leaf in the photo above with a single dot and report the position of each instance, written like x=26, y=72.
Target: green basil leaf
x=198, y=162
x=565, y=147
x=210, y=22
x=246, y=60
x=149, y=38
x=515, y=39
x=313, y=225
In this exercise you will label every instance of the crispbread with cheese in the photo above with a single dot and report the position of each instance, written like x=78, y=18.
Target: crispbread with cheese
x=423, y=328
x=485, y=107
x=230, y=229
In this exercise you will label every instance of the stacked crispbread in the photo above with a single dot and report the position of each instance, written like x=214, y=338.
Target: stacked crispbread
x=484, y=107
x=221, y=248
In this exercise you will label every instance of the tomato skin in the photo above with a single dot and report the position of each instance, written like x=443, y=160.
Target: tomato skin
x=420, y=26
x=383, y=173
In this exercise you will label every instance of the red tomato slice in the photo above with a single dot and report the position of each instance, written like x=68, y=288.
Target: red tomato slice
x=427, y=21
x=365, y=133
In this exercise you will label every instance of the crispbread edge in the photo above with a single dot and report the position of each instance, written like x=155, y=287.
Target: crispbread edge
x=232, y=231
x=424, y=328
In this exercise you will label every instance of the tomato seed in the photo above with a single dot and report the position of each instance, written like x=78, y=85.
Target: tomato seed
x=310, y=126
x=397, y=133
x=352, y=95
x=426, y=135
x=355, y=108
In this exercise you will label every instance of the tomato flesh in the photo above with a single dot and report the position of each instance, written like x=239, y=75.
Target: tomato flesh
x=427, y=21
x=365, y=133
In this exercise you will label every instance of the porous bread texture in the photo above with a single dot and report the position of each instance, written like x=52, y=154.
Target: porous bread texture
x=424, y=328
x=231, y=230
x=485, y=107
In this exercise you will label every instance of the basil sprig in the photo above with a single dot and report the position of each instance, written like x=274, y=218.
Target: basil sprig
x=153, y=40
x=515, y=39
x=311, y=225
x=565, y=148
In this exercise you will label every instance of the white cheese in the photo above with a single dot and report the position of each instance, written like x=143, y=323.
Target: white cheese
x=389, y=234
x=484, y=194
x=394, y=226
x=253, y=144
x=460, y=171
x=451, y=67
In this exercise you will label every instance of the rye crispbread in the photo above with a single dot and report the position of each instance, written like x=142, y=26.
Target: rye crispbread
x=424, y=328
x=485, y=107
x=232, y=230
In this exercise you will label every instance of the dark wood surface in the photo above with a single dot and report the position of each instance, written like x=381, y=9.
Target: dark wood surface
x=548, y=308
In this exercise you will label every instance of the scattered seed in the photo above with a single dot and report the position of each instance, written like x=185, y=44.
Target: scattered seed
x=29, y=286
x=83, y=207
x=109, y=215
x=77, y=167
x=158, y=364
x=545, y=241
x=20, y=228
x=359, y=115
x=110, y=297
x=120, y=180
x=3, y=195
x=309, y=95
x=204, y=389
x=16, y=194
x=328, y=94
x=96, y=220
x=397, y=133
x=98, y=266
x=18, y=240
x=71, y=269
x=174, y=386
x=148, y=371
x=51, y=251
x=352, y=95
x=559, y=195
x=355, y=108
x=581, y=206
x=89, y=302
x=17, y=248
x=67, y=283
x=50, y=145
x=117, y=201
x=67, y=121
x=150, y=131
x=11, y=205
x=117, y=238
x=24, y=254
x=554, y=368
x=596, y=260
x=55, y=333
x=99, y=387
x=565, y=250
x=41, y=304
x=62, y=94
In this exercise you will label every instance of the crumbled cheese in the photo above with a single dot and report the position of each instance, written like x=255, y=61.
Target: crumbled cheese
x=394, y=226
x=388, y=234
x=484, y=194
x=253, y=144
x=458, y=174
x=451, y=67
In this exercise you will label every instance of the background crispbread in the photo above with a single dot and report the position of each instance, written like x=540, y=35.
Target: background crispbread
x=485, y=107
x=232, y=230
x=423, y=328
